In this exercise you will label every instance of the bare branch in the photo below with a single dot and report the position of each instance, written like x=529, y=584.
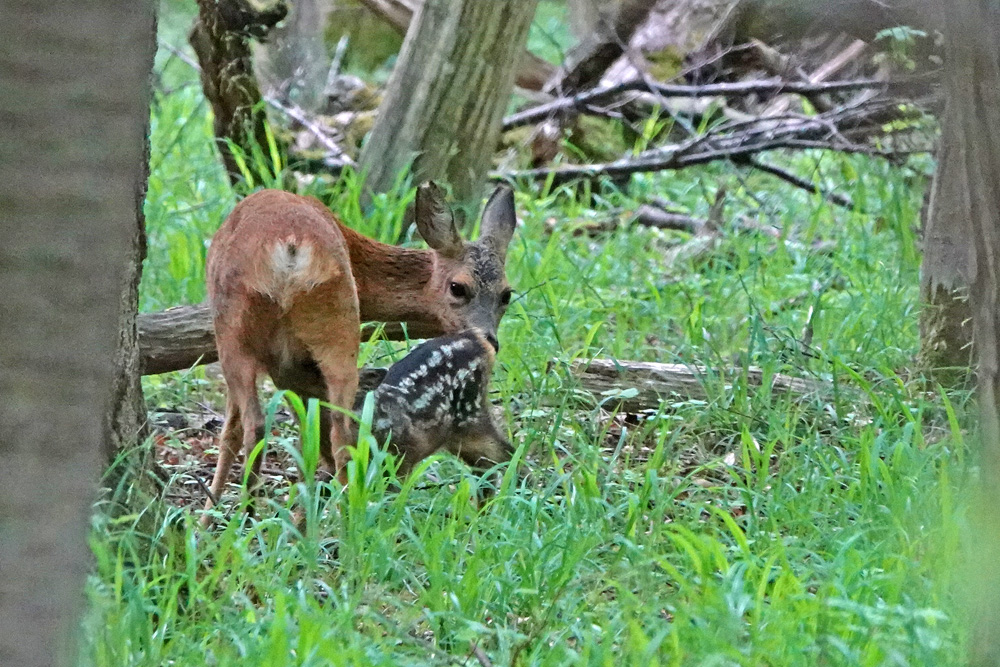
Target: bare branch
x=583, y=102
x=835, y=130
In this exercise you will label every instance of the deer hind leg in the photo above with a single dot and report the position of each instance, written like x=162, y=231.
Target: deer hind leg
x=244, y=421
x=327, y=322
x=229, y=445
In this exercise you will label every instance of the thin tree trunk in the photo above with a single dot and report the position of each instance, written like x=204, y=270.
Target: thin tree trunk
x=584, y=16
x=613, y=30
x=446, y=98
x=221, y=40
x=74, y=103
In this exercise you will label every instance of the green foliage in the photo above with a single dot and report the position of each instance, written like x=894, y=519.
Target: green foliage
x=745, y=529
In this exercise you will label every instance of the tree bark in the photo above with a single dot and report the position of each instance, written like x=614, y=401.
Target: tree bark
x=74, y=104
x=293, y=63
x=532, y=71
x=125, y=419
x=221, y=41
x=446, y=98
x=969, y=185
x=767, y=20
x=948, y=263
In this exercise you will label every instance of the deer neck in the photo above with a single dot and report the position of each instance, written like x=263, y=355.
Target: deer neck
x=392, y=282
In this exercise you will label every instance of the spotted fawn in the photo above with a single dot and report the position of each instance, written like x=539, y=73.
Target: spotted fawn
x=436, y=398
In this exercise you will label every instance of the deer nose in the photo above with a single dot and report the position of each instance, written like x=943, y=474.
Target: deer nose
x=492, y=340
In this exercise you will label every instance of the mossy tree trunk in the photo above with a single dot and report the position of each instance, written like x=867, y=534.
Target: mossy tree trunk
x=221, y=40
x=445, y=101
x=74, y=103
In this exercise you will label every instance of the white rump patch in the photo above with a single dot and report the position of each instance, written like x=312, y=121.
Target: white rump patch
x=293, y=270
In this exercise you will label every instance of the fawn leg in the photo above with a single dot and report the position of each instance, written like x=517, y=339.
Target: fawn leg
x=484, y=446
x=305, y=379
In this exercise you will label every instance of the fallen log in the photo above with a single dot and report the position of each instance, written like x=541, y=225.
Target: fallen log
x=638, y=386
x=176, y=339
x=180, y=338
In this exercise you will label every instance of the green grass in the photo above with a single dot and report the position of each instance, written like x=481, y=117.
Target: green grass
x=746, y=529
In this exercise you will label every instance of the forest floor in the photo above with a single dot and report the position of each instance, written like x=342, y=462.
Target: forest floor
x=746, y=527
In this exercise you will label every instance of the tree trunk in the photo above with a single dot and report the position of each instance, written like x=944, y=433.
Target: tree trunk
x=584, y=16
x=446, y=98
x=767, y=20
x=613, y=31
x=948, y=264
x=969, y=186
x=532, y=71
x=293, y=63
x=125, y=419
x=74, y=103
x=221, y=40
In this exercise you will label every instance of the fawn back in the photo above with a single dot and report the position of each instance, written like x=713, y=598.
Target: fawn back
x=290, y=285
x=436, y=398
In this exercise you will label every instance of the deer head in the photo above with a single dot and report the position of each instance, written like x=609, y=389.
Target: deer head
x=468, y=278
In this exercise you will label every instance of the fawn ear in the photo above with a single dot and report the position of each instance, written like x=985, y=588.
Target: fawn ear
x=499, y=219
x=435, y=221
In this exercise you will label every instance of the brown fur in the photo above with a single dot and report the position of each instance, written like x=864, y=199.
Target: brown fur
x=290, y=284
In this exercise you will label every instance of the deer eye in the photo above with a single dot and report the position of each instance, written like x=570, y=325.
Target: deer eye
x=505, y=298
x=459, y=291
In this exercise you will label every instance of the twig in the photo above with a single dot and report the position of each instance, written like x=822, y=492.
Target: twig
x=299, y=116
x=480, y=654
x=180, y=55
x=583, y=101
x=833, y=197
x=208, y=491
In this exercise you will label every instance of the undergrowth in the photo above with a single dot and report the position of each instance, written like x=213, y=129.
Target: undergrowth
x=748, y=528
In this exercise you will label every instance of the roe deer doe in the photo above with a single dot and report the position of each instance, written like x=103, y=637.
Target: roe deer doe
x=436, y=397
x=290, y=285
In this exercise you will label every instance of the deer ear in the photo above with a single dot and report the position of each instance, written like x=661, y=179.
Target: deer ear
x=435, y=221
x=499, y=219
